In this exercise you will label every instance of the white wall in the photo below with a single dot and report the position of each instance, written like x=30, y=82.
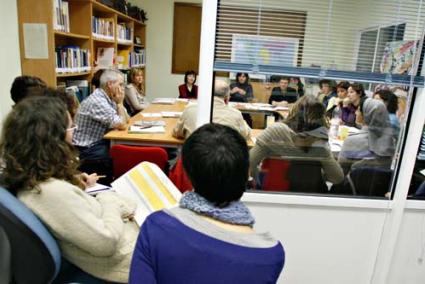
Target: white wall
x=10, y=66
x=160, y=82
x=323, y=244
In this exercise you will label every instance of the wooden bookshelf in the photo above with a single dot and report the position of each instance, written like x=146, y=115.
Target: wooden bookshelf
x=80, y=35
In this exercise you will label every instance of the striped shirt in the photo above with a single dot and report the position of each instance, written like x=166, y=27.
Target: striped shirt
x=97, y=114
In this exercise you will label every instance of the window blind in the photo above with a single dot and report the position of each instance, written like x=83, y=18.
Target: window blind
x=376, y=41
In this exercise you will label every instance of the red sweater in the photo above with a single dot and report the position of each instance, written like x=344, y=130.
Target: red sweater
x=185, y=94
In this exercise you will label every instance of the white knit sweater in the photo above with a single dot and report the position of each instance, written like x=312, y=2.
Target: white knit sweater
x=92, y=232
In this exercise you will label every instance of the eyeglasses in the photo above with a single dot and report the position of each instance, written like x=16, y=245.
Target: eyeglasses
x=72, y=128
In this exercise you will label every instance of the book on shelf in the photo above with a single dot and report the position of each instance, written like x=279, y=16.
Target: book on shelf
x=124, y=33
x=72, y=59
x=123, y=57
x=105, y=57
x=103, y=28
x=61, y=16
x=83, y=88
x=149, y=187
x=137, y=58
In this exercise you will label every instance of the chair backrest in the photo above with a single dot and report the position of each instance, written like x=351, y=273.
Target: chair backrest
x=179, y=177
x=125, y=157
x=35, y=256
x=370, y=181
x=280, y=174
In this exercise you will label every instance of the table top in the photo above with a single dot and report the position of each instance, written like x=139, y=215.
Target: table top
x=158, y=139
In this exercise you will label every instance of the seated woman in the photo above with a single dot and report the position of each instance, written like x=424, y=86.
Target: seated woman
x=40, y=164
x=135, y=97
x=326, y=92
x=373, y=145
x=189, y=90
x=295, y=82
x=302, y=136
x=355, y=96
x=283, y=93
x=391, y=102
x=241, y=90
x=209, y=238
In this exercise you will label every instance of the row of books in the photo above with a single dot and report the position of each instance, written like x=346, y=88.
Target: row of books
x=124, y=33
x=103, y=28
x=61, y=16
x=421, y=152
x=72, y=59
x=128, y=59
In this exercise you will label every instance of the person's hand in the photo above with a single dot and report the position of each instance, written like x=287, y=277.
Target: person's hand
x=235, y=90
x=89, y=180
x=346, y=102
x=242, y=92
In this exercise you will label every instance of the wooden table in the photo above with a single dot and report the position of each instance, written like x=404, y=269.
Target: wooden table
x=157, y=139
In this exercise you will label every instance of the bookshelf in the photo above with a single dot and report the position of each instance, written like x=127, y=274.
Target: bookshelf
x=73, y=45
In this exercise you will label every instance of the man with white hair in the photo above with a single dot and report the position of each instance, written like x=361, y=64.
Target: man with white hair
x=102, y=111
x=222, y=114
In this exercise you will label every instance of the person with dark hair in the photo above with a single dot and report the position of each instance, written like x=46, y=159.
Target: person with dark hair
x=40, y=168
x=374, y=143
x=295, y=82
x=340, y=107
x=135, y=97
x=189, y=90
x=283, y=94
x=95, y=81
x=302, y=136
x=391, y=102
x=209, y=238
x=241, y=90
x=326, y=91
x=222, y=114
x=356, y=96
x=24, y=85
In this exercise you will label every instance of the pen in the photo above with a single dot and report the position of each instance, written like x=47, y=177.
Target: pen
x=101, y=176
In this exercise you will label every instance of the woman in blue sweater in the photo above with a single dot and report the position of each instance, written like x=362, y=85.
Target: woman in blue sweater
x=209, y=238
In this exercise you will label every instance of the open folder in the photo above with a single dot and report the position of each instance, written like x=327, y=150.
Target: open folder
x=147, y=185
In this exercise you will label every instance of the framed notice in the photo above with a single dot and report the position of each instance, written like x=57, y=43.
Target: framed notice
x=264, y=50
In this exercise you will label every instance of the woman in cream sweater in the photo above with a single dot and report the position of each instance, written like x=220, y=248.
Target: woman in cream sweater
x=97, y=234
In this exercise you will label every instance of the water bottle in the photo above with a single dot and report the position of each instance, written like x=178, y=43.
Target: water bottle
x=333, y=132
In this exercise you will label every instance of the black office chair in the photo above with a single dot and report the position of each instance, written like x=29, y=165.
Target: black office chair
x=370, y=181
x=34, y=254
x=306, y=176
x=28, y=250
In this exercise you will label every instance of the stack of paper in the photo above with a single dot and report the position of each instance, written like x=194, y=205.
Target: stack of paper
x=171, y=113
x=165, y=101
x=142, y=129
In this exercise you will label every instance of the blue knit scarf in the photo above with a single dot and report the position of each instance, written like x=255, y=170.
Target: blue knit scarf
x=234, y=213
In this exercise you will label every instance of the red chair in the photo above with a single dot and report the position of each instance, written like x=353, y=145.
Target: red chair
x=126, y=157
x=179, y=177
x=273, y=175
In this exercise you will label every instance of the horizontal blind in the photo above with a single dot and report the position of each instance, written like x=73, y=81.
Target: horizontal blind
x=360, y=40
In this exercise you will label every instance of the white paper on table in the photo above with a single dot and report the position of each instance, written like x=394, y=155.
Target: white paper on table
x=35, y=41
x=182, y=100
x=171, y=113
x=153, y=129
x=151, y=114
x=167, y=101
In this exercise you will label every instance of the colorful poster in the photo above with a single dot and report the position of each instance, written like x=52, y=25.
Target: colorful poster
x=398, y=57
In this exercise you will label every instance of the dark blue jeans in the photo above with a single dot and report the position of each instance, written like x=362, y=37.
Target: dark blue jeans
x=96, y=159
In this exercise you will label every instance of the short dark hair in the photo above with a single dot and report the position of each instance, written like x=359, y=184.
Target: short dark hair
x=189, y=72
x=216, y=159
x=285, y=79
x=23, y=85
x=390, y=100
x=343, y=85
x=327, y=82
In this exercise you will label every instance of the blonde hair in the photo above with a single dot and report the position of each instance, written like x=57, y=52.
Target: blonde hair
x=133, y=72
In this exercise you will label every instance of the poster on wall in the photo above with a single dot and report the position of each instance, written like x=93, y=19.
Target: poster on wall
x=398, y=57
x=264, y=50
